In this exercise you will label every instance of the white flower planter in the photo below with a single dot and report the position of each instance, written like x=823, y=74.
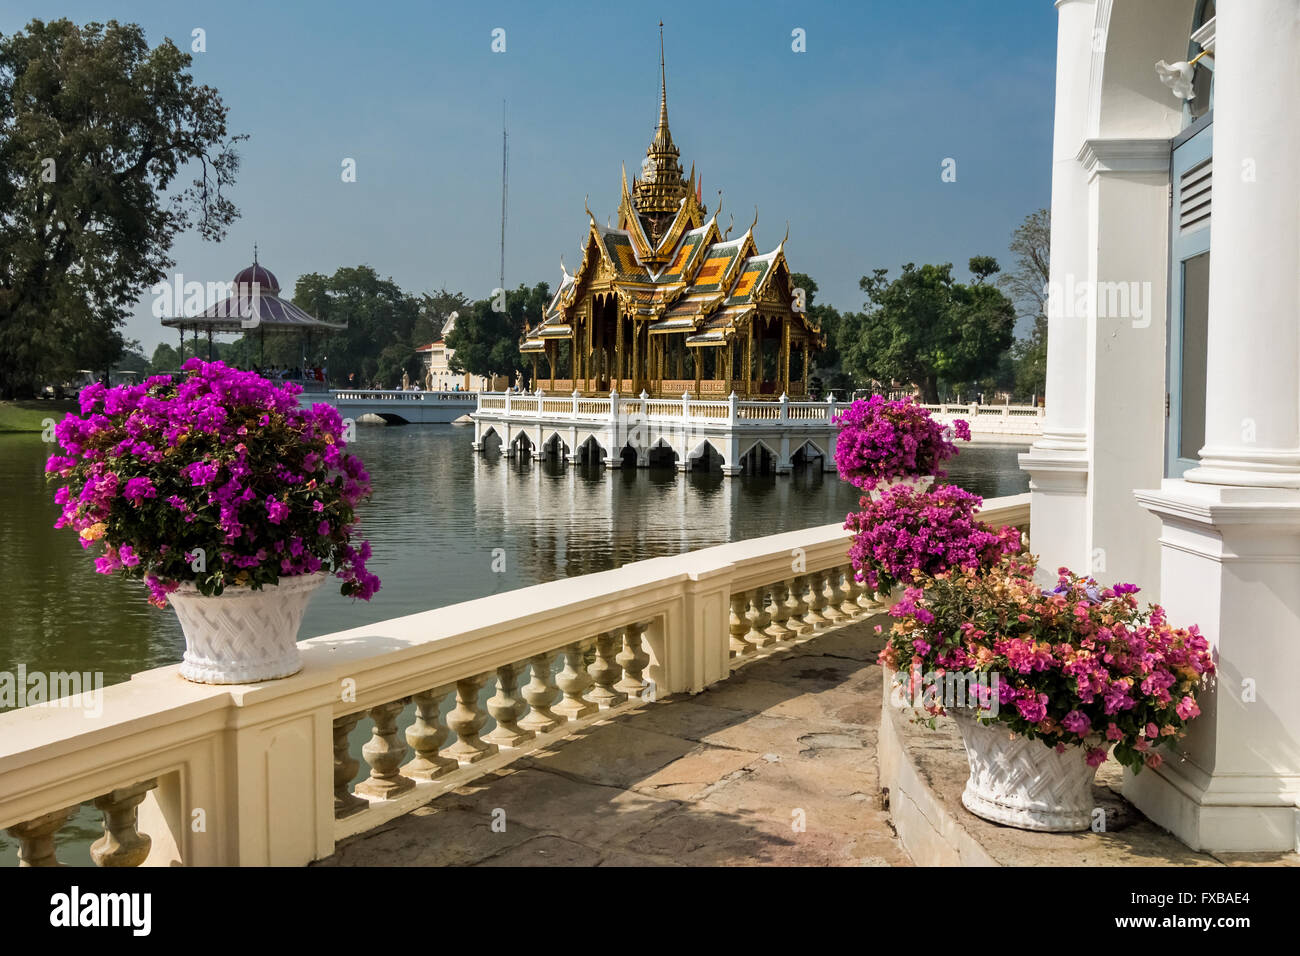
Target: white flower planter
x=1024, y=783
x=243, y=635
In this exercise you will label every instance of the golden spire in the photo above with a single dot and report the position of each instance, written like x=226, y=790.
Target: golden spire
x=662, y=136
x=661, y=186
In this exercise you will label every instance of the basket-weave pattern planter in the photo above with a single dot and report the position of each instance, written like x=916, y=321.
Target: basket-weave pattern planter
x=243, y=635
x=1024, y=783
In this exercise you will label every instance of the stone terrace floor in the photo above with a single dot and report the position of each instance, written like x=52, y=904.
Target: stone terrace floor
x=776, y=766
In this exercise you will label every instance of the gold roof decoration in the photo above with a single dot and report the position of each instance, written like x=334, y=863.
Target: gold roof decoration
x=669, y=266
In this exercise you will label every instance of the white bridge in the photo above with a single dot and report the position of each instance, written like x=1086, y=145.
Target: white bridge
x=993, y=421
x=741, y=436
x=397, y=407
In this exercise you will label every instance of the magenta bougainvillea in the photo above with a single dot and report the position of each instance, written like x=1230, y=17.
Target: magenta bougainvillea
x=1079, y=665
x=903, y=532
x=880, y=440
x=220, y=478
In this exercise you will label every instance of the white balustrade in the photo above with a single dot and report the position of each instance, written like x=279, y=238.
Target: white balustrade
x=274, y=763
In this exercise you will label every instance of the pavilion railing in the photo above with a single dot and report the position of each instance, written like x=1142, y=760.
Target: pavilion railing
x=263, y=774
x=730, y=410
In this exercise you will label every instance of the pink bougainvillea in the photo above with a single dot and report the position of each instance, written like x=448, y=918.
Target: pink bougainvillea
x=221, y=478
x=880, y=440
x=1078, y=665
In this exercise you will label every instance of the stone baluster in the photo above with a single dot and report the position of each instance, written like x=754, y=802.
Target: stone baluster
x=739, y=626
x=36, y=838
x=466, y=720
x=506, y=707
x=848, y=597
x=384, y=752
x=830, y=598
x=540, y=692
x=814, y=601
x=776, y=629
x=345, y=768
x=757, y=615
x=427, y=736
x=573, y=680
x=605, y=672
x=865, y=599
x=122, y=843
x=796, y=606
x=633, y=659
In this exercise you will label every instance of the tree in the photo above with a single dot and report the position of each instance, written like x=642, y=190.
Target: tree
x=924, y=326
x=828, y=371
x=435, y=310
x=381, y=318
x=165, y=359
x=1027, y=283
x=95, y=127
x=486, y=340
x=133, y=359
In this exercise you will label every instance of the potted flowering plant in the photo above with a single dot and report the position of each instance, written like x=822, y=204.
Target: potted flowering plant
x=226, y=498
x=882, y=442
x=904, y=534
x=1059, y=678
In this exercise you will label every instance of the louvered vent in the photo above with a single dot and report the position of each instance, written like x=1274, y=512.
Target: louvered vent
x=1194, y=198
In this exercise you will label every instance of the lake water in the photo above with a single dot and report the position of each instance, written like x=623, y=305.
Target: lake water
x=438, y=514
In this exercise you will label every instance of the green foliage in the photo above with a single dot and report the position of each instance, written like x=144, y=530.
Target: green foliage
x=486, y=341
x=379, y=340
x=164, y=359
x=95, y=129
x=1026, y=284
x=1030, y=359
x=924, y=326
x=133, y=359
x=828, y=363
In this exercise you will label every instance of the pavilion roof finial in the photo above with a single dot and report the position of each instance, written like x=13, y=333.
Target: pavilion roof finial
x=255, y=253
x=661, y=188
x=663, y=86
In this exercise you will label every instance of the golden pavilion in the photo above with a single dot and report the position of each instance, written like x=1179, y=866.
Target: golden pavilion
x=668, y=305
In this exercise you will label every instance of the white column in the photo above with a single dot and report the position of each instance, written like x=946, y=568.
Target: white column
x=1252, y=417
x=1058, y=462
x=1230, y=559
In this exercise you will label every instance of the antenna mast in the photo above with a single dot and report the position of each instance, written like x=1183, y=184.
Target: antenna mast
x=504, y=153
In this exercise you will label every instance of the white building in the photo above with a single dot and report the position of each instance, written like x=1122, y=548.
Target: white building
x=1170, y=454
x=438, y=376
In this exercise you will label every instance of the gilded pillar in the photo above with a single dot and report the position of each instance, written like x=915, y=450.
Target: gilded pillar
x=635, y=371
x=785, y=354
x=618, y=351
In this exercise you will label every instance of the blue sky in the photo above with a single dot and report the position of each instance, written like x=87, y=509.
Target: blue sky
x=845, y=141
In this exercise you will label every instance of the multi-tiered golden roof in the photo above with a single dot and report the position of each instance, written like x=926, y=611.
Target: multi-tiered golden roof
x=667, y=304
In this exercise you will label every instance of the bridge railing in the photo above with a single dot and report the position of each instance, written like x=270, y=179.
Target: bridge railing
x=398, y=395
x=261, y=774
